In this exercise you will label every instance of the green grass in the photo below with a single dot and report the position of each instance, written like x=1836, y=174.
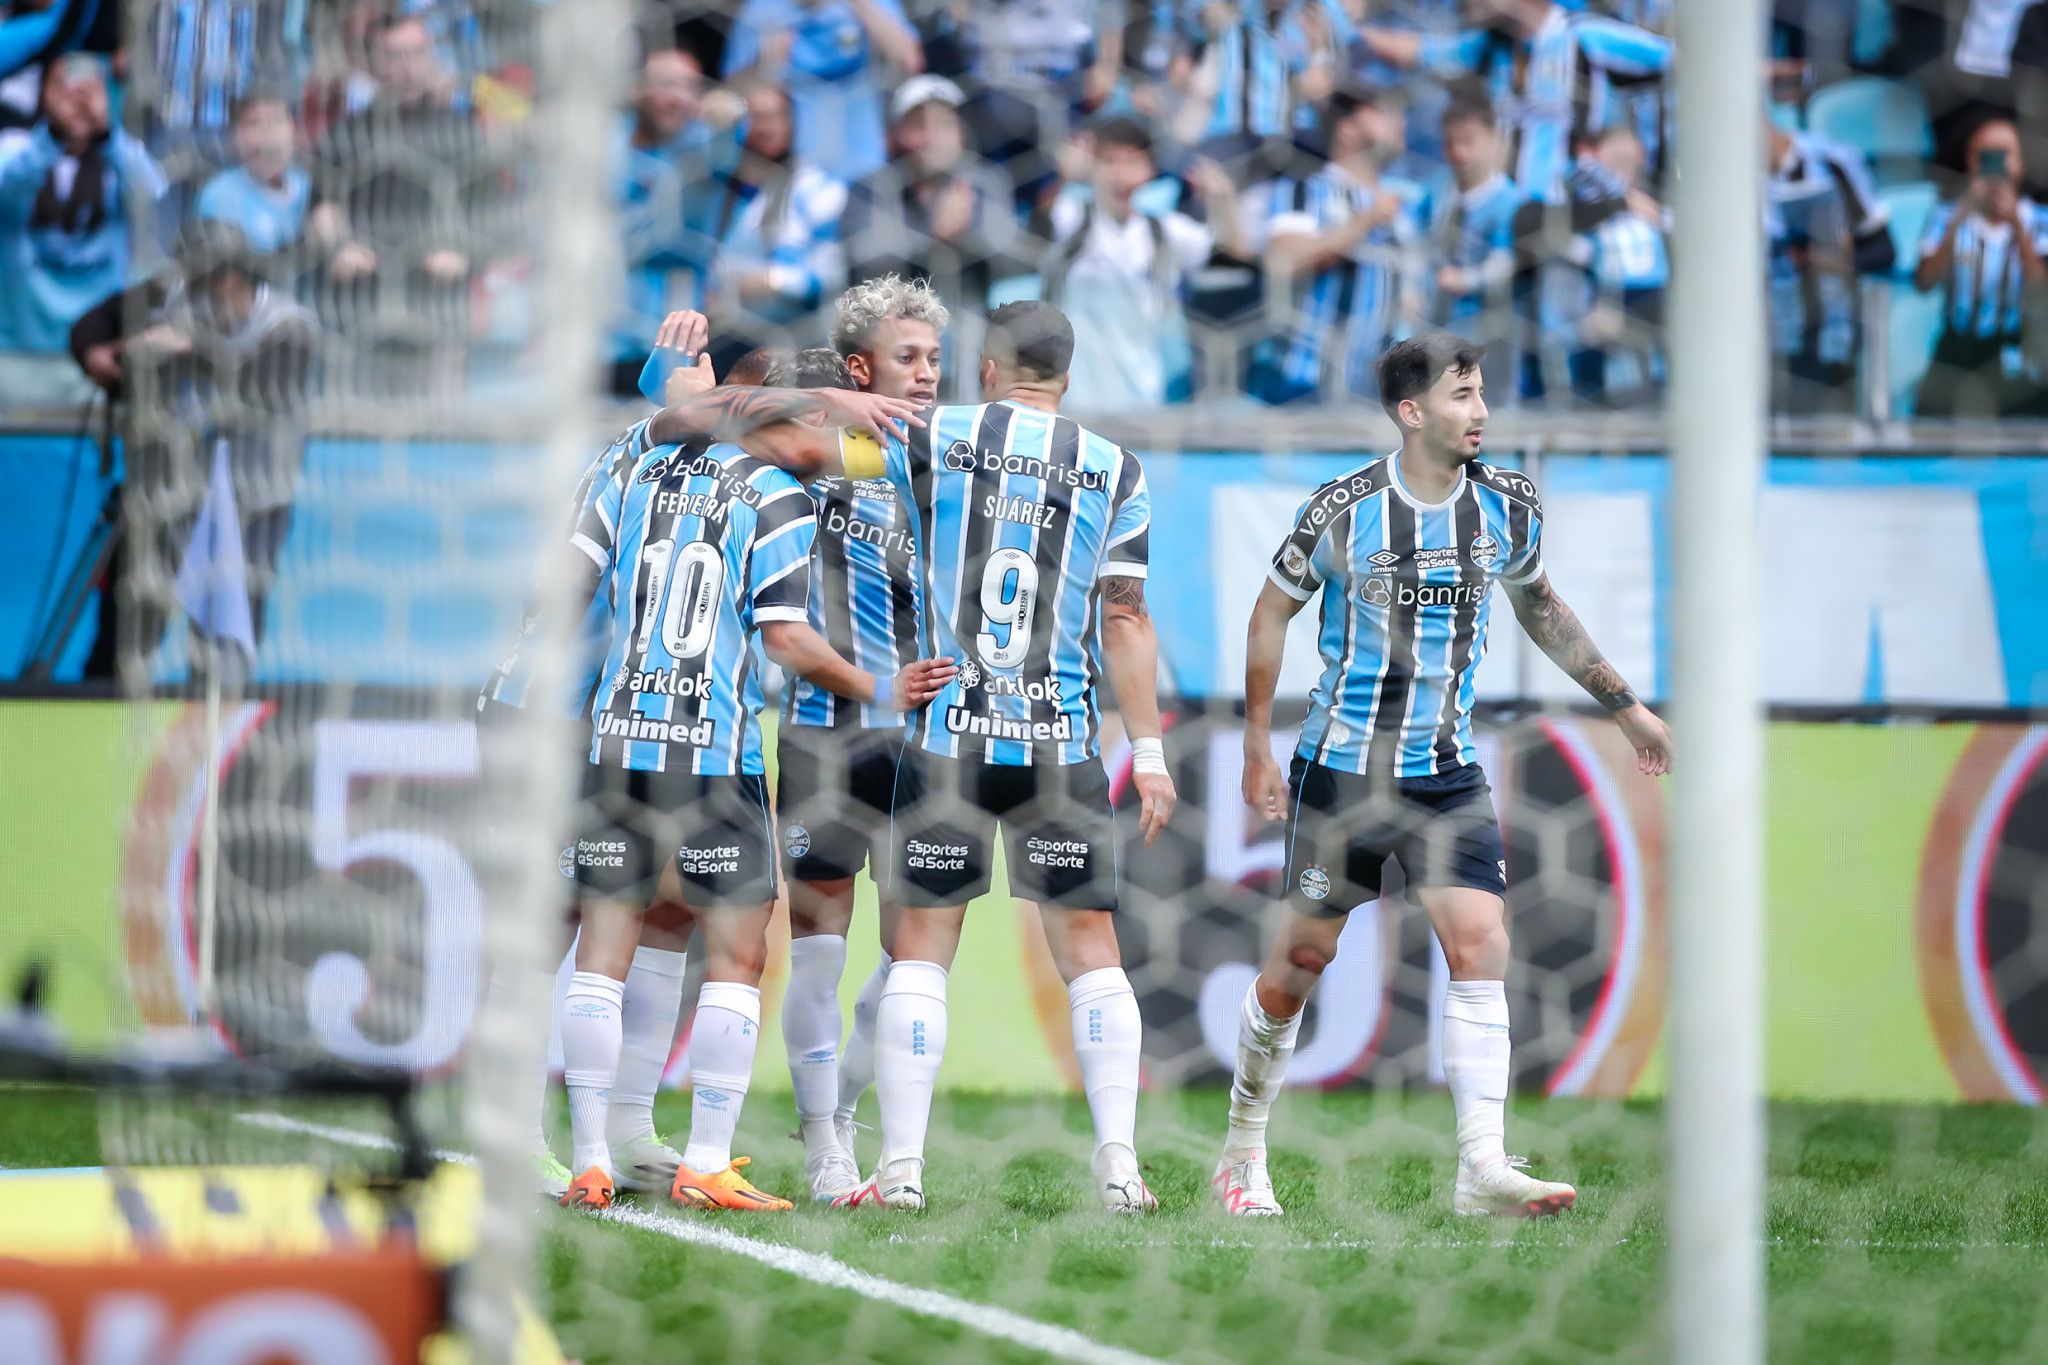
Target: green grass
x=1896, y=1234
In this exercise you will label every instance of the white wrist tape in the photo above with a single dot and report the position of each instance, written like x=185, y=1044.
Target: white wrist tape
x=1148, y=756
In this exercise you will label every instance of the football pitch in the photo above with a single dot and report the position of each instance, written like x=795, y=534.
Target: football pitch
x=1896, y=1233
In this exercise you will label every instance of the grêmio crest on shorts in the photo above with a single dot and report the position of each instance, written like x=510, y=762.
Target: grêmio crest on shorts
x=1406, y=590
x=695, y=550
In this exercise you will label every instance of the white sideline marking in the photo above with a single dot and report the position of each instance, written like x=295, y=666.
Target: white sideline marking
x=1062, y=1342
x=346, y=1137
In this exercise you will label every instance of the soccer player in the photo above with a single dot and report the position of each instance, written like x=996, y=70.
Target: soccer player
x=836, y=759
x=1405, y=552
x=698, y=550
x=1031, y=556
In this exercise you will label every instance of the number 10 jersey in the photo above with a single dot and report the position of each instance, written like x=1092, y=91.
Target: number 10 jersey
x=1017, y=514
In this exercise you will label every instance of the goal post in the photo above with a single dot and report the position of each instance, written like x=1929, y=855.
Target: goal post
x=1715, y=1118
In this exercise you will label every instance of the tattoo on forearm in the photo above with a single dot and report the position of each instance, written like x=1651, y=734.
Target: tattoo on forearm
x=1556, y=629
x=732, y=411
x=1125, y=591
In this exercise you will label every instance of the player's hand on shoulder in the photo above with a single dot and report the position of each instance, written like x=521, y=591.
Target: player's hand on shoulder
x=890, y=417
x=685, y=330
x=1265, y=786
x=917, y=683
x=1649, y=736
x=1156, y=798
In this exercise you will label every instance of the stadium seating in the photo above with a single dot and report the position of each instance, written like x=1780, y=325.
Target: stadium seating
x=1915, y=317
x=1885, y=120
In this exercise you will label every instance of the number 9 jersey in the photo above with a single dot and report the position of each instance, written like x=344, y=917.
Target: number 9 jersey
x=695, y=551
x=1017, y=513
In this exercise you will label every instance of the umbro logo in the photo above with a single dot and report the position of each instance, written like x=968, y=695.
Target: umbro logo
x=1384, y=559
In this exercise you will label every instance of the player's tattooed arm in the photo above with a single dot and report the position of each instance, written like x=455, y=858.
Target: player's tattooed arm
x=1558, y=632
x=1124, y=591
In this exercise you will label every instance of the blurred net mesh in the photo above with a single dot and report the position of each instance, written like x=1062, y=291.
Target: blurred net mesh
x=360, y=395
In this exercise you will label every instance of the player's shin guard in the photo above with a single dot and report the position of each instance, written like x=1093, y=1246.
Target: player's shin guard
x=654, y=997
x=1476, y=1065
x=1265, y=1044
x=857, y=1062
x=591, y=1010
x=1108, y=1034
x=722, y=1040
x=910, y=1042
x=810, y=1031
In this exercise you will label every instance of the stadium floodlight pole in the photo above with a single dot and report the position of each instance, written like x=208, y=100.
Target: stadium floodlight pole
x=579, y=68
x=1715, y=1116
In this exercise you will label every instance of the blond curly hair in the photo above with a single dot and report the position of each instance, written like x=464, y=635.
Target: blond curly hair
x=871, y=303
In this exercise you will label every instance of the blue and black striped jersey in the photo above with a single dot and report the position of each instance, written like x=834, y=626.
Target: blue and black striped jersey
x=512, y=678
x=1406, y=588
x=863, y=596
x=694, y=552
x=1017, y=513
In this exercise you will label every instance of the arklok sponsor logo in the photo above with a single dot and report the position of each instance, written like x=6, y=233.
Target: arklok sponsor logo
x=963, y=458
x=665, y=682
x=698, y=734
x=962, y=721
x=1000, y=685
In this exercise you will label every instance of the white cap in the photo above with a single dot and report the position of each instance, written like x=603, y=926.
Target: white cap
x=923, y=89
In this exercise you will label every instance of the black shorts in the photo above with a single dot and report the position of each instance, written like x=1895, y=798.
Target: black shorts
x=1343, y=826
x=717, y=829
x=834, y=789
x=1058, y=826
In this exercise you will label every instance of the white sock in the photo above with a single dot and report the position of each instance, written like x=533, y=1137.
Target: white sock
x=810, y=1029
x=722, y=1040
x=654, y=997
x=857, y=1059
x=1108, y=1034
x=591, y=1011
x=1476, y=1065
x=1265, y=1043
x=557, y=989
x=910, y=1042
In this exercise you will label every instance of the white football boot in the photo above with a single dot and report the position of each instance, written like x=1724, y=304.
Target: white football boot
x=898, y=1185
x=1117, y=1182
x=646, y=1163
x=1244, y=1187
x=1499, y=1189
x=831, y=1171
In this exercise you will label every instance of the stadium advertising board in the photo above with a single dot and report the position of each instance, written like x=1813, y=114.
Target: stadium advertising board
x=1903, y=948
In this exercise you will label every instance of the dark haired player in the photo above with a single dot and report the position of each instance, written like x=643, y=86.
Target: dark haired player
x=1031, y=558
x=1405, y=551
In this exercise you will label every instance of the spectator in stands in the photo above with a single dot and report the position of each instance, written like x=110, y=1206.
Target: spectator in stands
x=266, y=195
x=1553, y=66
x=826, y=54
x=210, y=56
x=1268, y=63
x=1986, y=247
x=400, y=183
x=1616, y=320
x=1472, y=227
x=664, y=156
x=776, y=221
x=1826, y=227
x=935, y=213
x=65, y=189
x=1342, y=246
x=1118, y=273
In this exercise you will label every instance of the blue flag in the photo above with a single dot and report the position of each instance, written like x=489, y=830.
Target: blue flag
x=213, y=582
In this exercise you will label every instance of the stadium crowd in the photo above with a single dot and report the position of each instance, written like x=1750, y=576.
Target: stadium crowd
x=1229, y=197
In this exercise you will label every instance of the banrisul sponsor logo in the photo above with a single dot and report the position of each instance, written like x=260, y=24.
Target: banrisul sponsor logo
x=698, y=734
x=1381, y=591
x=962, y=458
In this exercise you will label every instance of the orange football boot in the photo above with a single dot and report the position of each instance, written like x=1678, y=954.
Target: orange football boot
x=592, y=1190
x=726, y=1189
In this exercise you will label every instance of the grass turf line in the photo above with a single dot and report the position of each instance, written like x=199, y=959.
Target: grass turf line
x=1895, y=1234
